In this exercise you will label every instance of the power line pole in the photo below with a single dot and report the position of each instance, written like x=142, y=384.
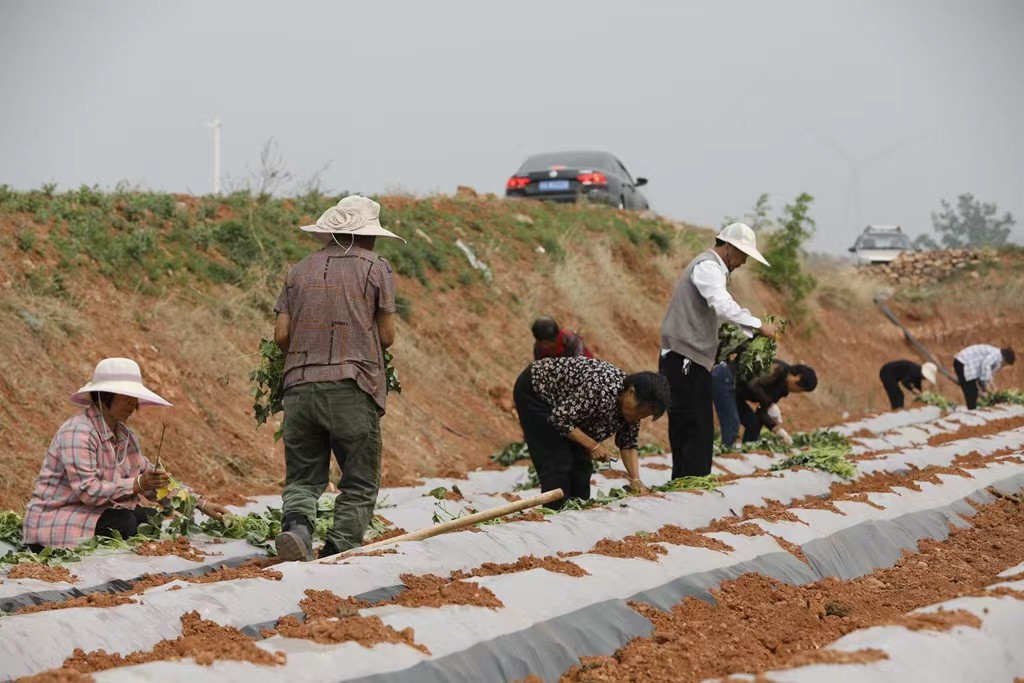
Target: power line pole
x=216, y=125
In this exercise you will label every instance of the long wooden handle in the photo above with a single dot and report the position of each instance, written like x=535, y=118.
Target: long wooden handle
x=463, y=522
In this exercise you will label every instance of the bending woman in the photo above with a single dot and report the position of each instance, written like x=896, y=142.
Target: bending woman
x=568, y=406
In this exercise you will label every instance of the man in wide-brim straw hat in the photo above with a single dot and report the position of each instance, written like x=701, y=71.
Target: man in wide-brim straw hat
x=94, y=474
x=689, y=341
x=335, y=316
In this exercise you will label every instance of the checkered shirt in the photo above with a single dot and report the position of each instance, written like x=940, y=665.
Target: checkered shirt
x=980, y=362
x=80, y=478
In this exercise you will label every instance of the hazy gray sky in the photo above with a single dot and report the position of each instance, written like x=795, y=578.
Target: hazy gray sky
x=714, y=102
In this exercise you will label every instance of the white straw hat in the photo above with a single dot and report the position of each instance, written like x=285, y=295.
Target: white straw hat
x=928, y=372
x=353, y=215
x=744, y=239
x=118, y=376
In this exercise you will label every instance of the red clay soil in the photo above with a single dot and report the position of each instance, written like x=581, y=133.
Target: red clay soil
x=231, y=573
x=326, y=605
x=791, y=548
x=675, y=535
x=179, y=546
x=613, y=474
x=941, y=620
x=525, y=563
x=202, y=640
x=771, y=511
x=510, y=497
x=657, y=466
x=758, y=624
x=372, y=553
x=968, y=431
x=233, y=499
x=433, y=591
x=57, y=676
x=390, y=533
x=90, y=600
x=367, y=631
x=733, y=525
x=42, y=572
x=630, y=546
x=529, y=517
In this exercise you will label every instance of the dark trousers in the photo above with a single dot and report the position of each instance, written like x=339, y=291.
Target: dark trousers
x=892, y=387
x=122, y=520
x=560, y=462
x=321, y=417
x=691, y=419
x=723, y=391
x=970, y=389
x=750, y=421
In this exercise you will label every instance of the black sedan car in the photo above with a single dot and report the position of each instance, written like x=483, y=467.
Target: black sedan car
x=565, y=176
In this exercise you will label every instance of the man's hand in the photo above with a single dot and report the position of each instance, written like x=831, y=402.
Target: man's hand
x=215, y=510
x=768, y=330
x=784, y=435
x=152, y=480
x=636, y=486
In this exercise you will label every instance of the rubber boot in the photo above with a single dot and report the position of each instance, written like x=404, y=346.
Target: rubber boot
x=295, y=543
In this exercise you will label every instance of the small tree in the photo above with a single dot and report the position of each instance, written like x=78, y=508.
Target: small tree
x=757, y=218
x=784, y=250
x=970, y=224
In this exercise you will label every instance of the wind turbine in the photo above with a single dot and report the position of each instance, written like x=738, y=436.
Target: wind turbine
x=856, y=165
x=215, y=125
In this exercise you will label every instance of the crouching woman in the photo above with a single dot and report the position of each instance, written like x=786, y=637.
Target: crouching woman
x=568, y=406
x=94, y=474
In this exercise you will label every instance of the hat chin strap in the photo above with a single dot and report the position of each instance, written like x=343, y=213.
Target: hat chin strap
x=334, y=236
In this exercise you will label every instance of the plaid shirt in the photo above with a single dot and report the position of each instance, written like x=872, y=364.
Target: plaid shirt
x=980, y=362
x=333, y=297
x=81, y=478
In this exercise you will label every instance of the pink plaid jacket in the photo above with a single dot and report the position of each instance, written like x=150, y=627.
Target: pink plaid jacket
x=80, y=478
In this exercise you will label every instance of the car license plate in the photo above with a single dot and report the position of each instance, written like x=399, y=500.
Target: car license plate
x=553, y=185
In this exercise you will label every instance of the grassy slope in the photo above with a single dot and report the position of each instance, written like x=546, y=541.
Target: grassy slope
x=186, y=286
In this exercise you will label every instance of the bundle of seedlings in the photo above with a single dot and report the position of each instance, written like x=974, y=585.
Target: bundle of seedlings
x=512, y=453
x=750, y=357
x=825, y=458
x=933, y=399
x=1012, y=396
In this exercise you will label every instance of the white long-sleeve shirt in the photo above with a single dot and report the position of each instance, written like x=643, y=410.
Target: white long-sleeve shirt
x=710, y=278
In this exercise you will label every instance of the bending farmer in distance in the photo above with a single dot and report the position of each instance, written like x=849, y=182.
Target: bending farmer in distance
x=568, y=406
x=94, y=473
x=335, y=316
x=551, y=341
x=689, y=342
x=906, y=373
x=975, y=368
x=732, y=400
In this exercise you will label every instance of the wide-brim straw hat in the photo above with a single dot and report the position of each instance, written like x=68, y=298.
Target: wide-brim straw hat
x=353, y=215
x=744, y=239
x=928, y=372
x=118, y=376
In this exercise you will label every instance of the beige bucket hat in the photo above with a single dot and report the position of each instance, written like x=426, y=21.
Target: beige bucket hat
x=928, y=372
x=118, y=376
x=744, y=239
x=353, y=215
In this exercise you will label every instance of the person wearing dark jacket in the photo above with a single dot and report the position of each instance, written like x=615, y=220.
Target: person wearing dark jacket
x=908, y=374
x=568, y=406
x=766, y=391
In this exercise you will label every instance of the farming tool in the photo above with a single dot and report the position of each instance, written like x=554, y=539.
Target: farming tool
x=463, y=522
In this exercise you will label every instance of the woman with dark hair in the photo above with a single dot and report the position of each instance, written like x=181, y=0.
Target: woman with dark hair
x=552, y=341
x=94, y=474
x=733, y=399
x=568, y=406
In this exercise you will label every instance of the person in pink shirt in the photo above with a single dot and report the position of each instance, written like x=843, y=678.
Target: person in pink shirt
x=94, y=474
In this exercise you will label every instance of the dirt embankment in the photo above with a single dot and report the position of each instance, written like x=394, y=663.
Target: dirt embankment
x=462, y=339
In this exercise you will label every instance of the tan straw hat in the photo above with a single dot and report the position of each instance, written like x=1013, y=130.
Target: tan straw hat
x=118, y=376
x=353, y=215
x=744, y=239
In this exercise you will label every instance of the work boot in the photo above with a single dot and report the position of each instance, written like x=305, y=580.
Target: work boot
x=328, y=550
x=296, y=542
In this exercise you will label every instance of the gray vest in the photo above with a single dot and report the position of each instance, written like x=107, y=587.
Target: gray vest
x=690, y=327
